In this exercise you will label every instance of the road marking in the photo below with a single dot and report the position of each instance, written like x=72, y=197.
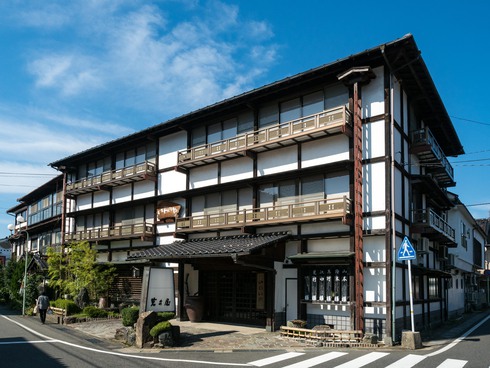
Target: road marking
x=363, y=360
x=459, y=339
x=407, y=361
x=122, y=354
x=275, y=359
x=452, y=363
x=316, y=360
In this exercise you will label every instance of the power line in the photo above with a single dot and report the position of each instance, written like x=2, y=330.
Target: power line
x=476, y=160
x=14, y=174
x=477, y=204
x=470, y=121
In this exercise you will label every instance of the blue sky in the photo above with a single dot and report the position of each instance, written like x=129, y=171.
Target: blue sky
x=74, y=74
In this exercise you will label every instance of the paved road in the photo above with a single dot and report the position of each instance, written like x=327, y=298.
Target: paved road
x=24, y=342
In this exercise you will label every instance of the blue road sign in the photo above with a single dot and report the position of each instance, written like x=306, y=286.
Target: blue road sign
x=406, y=251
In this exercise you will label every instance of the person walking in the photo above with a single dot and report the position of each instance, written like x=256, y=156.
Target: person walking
x=43, y=305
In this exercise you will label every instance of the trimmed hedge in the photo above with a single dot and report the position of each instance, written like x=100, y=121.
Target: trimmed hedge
x=130, y=316
x=159, y=328
x=165, y=316
x=68, y=305
x=94, y=312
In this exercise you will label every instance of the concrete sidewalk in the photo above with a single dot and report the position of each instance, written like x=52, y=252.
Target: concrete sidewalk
x=205, y=336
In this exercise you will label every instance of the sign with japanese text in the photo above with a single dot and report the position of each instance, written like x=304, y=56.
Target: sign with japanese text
x=160, y=296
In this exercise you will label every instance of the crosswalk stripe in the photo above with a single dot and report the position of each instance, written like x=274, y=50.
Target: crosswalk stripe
x=452, y=363
x=407, y=361
x=275, y=359
x=363, y=360
x=316, y=360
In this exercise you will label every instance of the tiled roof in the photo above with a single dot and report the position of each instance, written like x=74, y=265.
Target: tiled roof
x=215, y=246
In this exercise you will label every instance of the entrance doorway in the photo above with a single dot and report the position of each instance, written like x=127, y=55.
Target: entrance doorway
x=231, y=296
x=291, y=294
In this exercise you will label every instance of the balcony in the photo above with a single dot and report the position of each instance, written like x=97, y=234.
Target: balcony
x=431, y=225
x=285, y=134
x=432, y=157
x=141, y=231
x=114, y=178
x=333, y=209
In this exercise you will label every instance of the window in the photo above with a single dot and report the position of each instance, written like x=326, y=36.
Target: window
x=290, y=110
x=434, y=292
x=268, y=115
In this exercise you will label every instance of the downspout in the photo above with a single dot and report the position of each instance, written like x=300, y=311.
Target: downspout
x=392, y=209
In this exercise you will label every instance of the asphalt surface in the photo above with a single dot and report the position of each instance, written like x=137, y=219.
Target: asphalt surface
x=204, y=336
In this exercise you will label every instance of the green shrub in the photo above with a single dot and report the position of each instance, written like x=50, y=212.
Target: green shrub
x=165, y=316
x=94, y=312
x=130, y=316
x=68, y=305
x=159, y=328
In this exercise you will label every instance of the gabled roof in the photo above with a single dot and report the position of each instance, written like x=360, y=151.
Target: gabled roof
x=402, y=56
x=211, y=247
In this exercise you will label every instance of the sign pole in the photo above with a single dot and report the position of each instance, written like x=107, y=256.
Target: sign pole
x=410, y=292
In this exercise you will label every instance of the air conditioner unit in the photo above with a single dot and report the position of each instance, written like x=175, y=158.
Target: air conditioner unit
x=423, y=246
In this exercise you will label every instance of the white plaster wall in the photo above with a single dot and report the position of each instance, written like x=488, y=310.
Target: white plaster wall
x=327, y=245
x=373, y=140
x=121, y=194
x=84, y=201
x=373, y=95
x=406, y=127
x=397, y=113
x=280, y=285
x=320, y=227
x=119, y=256
x=374, y=223
x=168, y=147
x=324, y=151
x=399, y=147
x=277, y=161
x=398, y=192
x=144, y=189
x=237, y=169
x=374, y=187
x=203, y=176
x=165, y=228
x=374, y=249
x=375, y=284
x=171, y=182
x=456, y=295
x=101, y=198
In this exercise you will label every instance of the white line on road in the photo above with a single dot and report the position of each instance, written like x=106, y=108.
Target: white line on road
x=407, y=361
x=122, y=354
x=459, y=339
x=363, y=360
x=275, y=359
x=452, y=363
x=316, y=360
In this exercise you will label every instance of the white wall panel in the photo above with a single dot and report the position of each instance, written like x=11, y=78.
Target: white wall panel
x=373, y=95
x=144, y=189
x=324, y=151
x=406, y=127
x=203, y=176
x=397, y=113
x=374, y=187
x=373, y=140
x=324, y=245
x=398, y=192
x=277, y=161
x=375, y=223
x=101, y=198
x=121, y=194
x=237, y=169
x=168, y=147
x=375, y=284
x=84, y=201
x=323, y=227
x=374, y=249
x=171, y=182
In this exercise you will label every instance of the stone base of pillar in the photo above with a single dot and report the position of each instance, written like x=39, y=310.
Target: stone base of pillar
x=411, y=340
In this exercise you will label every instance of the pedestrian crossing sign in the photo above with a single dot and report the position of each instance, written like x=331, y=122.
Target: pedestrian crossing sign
x=406, y=251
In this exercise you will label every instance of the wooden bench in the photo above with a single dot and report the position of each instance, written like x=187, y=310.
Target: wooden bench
x=327, y=336
x=56, y=315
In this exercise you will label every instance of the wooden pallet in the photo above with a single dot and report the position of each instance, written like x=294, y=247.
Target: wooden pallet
x=325, y=337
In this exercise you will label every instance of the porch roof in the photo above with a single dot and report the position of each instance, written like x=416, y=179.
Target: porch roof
x=211, y=247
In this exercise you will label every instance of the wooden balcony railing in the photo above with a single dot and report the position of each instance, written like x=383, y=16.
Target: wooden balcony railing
x=425, y=145
x=309, y=127
x=142, y=171
x=432, y=225
x=142, y=231
x=334, y=208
